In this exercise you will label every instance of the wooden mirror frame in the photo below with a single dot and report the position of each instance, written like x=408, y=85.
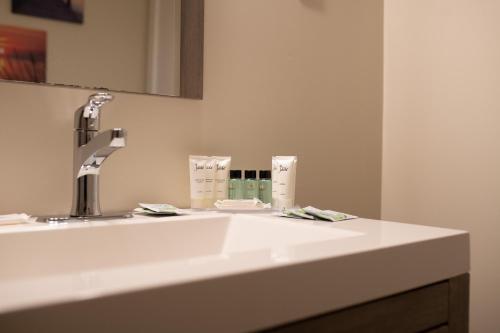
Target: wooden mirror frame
x=192, y=37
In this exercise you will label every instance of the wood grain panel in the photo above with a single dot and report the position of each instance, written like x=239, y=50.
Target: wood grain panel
x=414, y=311
x=458, y=321
x=440, y=329
x=192, y=36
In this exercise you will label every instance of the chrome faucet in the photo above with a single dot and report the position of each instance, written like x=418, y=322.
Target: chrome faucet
x=90, y=149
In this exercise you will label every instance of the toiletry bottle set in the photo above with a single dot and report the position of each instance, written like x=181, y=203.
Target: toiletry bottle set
x=250, y=187
x=212, y=180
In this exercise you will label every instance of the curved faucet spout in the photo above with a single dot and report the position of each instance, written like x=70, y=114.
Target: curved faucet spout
x=91, y=156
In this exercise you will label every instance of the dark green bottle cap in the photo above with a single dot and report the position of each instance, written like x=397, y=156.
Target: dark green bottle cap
x=235, y=174
x=250, y=174
x=265, y=174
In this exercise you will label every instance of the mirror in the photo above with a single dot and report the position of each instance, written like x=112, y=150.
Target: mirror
x=140, y=46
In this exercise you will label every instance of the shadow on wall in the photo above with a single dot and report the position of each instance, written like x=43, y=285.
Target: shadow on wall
x=318, y=5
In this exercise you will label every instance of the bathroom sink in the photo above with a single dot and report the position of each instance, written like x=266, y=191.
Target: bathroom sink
x=236, y=272
x=79, y=247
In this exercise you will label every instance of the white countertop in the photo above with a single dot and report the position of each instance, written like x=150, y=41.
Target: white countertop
x=258, y=270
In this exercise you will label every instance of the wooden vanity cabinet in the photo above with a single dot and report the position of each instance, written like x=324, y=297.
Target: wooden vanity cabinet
x=441, y=307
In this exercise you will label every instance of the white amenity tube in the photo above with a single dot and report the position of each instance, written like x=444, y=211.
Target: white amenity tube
x=197, y=177
x=223, y=164
x=283, y=181
x=210, y=167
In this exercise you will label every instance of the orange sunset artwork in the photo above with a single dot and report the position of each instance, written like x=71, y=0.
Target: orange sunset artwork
x=22, y=54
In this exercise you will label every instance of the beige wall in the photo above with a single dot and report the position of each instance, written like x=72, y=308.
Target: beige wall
x=281, y=77
x=76, y=52
x=299, y=77
x=441, y=155
x=36, y=149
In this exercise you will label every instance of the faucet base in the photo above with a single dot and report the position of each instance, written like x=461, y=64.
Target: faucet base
x=72, y=219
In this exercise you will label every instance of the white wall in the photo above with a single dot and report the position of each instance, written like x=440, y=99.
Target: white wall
x=441, y=150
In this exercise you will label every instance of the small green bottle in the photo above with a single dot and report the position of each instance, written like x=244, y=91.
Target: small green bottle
x=235, y=187
x=251, y=184
x=265, y=186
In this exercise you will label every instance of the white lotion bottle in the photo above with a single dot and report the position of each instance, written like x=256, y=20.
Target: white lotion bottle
x=283, y=181
x=197, y=177
x=210, y=169
x=223, y=165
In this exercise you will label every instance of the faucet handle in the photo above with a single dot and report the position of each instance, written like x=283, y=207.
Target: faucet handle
x=87, y=116
x=100, y=98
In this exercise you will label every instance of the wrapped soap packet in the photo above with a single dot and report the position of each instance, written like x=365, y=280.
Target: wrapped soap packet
x=159, y=209
x=343, y=215
x=328, y=215
x=296, y=213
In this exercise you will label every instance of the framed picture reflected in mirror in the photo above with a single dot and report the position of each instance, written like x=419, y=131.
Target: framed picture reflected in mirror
x=23, y=54
x=62, y=10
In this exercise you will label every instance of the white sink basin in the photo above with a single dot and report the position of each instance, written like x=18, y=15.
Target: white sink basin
x=76, y=248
